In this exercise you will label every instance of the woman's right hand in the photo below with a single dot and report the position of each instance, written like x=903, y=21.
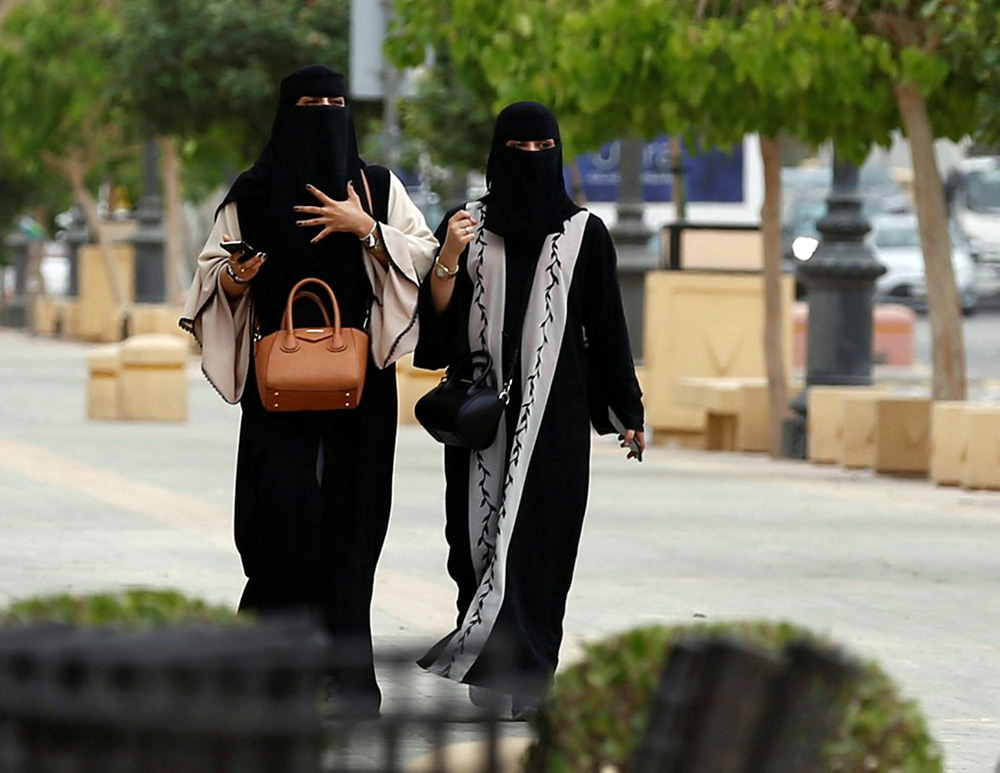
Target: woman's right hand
x=246, y=270
x=461, y=231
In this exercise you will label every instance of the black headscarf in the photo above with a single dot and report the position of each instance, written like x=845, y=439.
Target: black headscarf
x=308, y=144
x=315, y=145
x=526, y=196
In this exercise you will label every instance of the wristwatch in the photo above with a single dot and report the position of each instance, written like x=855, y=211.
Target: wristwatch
x=371, y=239
x=441, y=270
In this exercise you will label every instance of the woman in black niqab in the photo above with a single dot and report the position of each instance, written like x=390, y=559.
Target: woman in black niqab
x=310, y=145
x=313, y=489
x=526, y=196
x=529, y=276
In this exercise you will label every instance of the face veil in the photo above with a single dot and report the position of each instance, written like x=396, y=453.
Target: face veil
x=315, y=145
x=526, y=196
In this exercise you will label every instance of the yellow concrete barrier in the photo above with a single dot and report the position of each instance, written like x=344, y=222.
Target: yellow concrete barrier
x=99, y=318
x=103, y=382
x=755, y=410
x=982, y=451
x=902, y=435
x=949, y=435
x=707, y=325
x=736, y=410
x=157, y=318
x=154, y=383
x=860, y=422
x=825, y=421
x=70, y=317
x=45, y=315
x=412, y=384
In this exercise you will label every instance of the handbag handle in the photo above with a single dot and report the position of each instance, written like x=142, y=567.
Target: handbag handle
x=309, y=295
x=469, y=361
x=337, y=342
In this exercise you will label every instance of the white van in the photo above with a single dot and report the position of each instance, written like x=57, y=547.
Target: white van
x=974, y=196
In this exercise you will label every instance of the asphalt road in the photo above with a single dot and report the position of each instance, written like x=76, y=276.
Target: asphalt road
x=982, y=343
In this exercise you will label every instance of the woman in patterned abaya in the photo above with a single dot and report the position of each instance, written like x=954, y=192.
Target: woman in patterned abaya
x=531, y=277
x=313, y=489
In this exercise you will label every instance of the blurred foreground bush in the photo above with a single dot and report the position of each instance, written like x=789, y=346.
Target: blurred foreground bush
x=136, y=609
x=598, y=707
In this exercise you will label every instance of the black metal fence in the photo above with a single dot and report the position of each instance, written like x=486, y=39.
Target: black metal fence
x=250, y=699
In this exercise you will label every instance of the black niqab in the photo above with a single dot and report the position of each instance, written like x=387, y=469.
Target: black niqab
x=526, y=196
x=313, y=145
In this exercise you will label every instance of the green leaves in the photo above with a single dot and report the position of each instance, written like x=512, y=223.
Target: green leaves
x=135, y=609
x=599, y=707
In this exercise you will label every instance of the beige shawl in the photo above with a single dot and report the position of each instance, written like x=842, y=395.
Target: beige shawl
x=223, y=328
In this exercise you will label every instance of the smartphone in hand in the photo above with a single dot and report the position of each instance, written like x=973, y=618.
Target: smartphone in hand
x=621, y=429
x=233, y=247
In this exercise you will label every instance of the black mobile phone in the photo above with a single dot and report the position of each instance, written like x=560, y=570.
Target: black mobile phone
x=239, y=246
x=620, y=428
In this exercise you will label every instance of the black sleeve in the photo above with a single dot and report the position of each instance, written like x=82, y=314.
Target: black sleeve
x=611, y=372
x=444, y=338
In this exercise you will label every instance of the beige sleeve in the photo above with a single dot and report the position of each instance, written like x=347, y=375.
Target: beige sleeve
x=410, y=246
x=222, y=329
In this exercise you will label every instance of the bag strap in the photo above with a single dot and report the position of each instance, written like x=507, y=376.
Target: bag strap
x=516, y=356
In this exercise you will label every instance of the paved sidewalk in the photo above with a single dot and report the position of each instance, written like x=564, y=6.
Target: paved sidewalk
x=894, y=569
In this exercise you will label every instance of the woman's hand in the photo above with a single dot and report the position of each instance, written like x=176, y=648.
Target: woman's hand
x=461, y=231
x=236, y=276
x=337, y=216
x=627, y=439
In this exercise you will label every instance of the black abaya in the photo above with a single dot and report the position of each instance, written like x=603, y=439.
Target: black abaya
x=533, y=562
x=313, y=490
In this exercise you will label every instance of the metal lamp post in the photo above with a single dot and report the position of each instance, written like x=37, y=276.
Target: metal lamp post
x=631, y=237
x=150, y=267
x=840, y=284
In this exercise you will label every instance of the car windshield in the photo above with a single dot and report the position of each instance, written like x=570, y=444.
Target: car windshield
x=897, y=236
x=984, y=191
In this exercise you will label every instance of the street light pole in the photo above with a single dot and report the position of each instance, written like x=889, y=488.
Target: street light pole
x=150, y=268
x=631, y=237
x=840, y=286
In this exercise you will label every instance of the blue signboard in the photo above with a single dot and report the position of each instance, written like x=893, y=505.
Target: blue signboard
x=712, y=175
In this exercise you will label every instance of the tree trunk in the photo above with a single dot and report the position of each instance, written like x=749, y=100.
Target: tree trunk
x=944, y=307
x=173, y=231
x=774, y=313
x=73, y=170
x=35, y=283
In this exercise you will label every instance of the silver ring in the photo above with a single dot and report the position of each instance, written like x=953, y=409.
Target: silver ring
x=469, y=229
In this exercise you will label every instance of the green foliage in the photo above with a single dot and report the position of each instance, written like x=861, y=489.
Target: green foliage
x=971, y=33
x=599, y=707
x=55, y=87
x=189, y=67
x=132, y=609
x=714, y=71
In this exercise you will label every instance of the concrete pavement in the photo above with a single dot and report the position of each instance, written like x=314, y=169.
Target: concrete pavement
x=894, y=569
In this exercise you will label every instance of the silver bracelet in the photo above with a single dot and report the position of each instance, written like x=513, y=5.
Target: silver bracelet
x=232, y=275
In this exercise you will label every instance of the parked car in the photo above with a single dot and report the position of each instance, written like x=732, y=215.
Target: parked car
x=974, y=196
x=800, y=238
x=896, y=241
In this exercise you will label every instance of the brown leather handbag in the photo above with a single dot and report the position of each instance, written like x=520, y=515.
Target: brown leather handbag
x=311, y=368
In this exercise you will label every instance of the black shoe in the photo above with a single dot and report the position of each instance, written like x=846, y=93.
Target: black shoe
x=485, y=698
x=340, y=703
x=524, y=708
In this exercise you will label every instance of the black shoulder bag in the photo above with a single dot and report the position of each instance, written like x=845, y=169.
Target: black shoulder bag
x=465, y=409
